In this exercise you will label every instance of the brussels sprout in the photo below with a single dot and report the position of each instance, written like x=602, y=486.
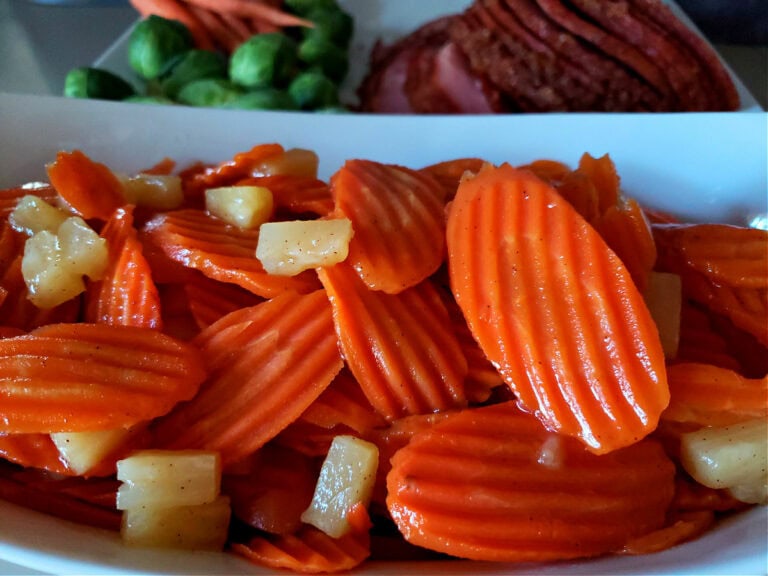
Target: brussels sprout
x=304, y=7
x=332, y=110
x=138, y=99
x=331, y=24
x=313, y=89
x=88, y=82
x=154, y=42
x=264, y=99
x=325, y=55
x=190, y=66
x=209, y=92
x=264, y=61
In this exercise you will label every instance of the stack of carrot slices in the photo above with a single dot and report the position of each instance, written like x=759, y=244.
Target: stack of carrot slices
x=488, y=332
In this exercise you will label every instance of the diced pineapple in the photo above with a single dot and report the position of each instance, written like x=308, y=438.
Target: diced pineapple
x=165, y=478
x=242, y=206
x=82, y=248
x=664, y=299
x=346, y=478
x=295, y=161
x=288, y=248
x=200, y=527
x=733, y=457
x=159, y=191
x=33, y=214
x=83, y=450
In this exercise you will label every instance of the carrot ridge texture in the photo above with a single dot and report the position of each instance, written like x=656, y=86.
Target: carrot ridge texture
x=555, y=310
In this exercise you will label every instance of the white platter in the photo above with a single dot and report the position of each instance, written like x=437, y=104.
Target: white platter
x=709, y=167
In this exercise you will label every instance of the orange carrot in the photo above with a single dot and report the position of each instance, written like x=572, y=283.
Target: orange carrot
x=685, y=526
x=163, y=167
x=75, y=377
x=400, y=347
x=398, y=218
x=602, y=172
x=10, y=246
x=9, y=197
x=555, y=309
x=296, y=194
x=33, y=451
x=126, y=295
x=223, y=36
x=492, y=484
x=266, y=369
x=250, y=9
x=700, y=341
x=310, y=439
x=209, y=300
x=550, y=171
x=220, y=251
x=450, y=172
x=89, y=187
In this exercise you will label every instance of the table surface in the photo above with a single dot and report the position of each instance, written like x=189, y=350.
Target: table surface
x=40, y=43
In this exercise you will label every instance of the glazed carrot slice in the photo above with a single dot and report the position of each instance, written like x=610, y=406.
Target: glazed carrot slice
x=164, y=167
x=712, y=396
x=9, y=197
x=209, y=300
x=492, y=484
x=32, y=451
x=308, y=551
x=89, y=187
x=685, y=526
x=11, y=246
x=450, y=172
x=555, y=309
x=310, y=439
x=266, y=367
x=398, y=218
x=296, y=194
x=75, y=377
x=551, y=171
x=400, y=347
x=602, y=173
x=126, y=295
x=220, y=251
x=701, y=341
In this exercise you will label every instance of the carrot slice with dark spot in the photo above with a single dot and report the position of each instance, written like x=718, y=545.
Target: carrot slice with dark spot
x=398, y=218
x=555, y=310
x=492, y=484
x=400, y=347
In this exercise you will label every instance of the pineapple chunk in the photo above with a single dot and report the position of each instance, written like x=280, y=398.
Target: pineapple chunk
x=243, y=206
x=288, y=248
x=734, y=457
x=346, y=478
x=159, y=191
x=164, y=478
x=664, y=300
x=295, y=161
x=82, y=248
x=200, y=527
x=83, y=450
x=33, y=214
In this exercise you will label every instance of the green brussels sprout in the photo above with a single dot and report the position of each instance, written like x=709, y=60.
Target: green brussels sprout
x=140, y=99
x=264, y=61
x=332, y=110
x=264, y=99
x=88, y=82
x=208, y=92
x=325, y=55
x=313, y=89
x=154, y=42
x=331, y=24
x=190, y=66
x=304, y=7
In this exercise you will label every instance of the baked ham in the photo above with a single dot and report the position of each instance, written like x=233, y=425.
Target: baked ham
x=549, y=56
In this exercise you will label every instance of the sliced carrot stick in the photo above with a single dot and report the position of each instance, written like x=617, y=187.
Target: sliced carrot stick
x=713, y=396
x=296, y=194
x=223, y=36
x=75, y=377
x=220, y=251
x=126, y=295
x=309, y=551
x=175, y=10
x=33, y=451
x=400, y=347
x=555, y=309
x=492, y=484
x=209, y=300
x=250, y=9
x=9, y=197
x=89, y=187
x=266, y=369
x=398, y=218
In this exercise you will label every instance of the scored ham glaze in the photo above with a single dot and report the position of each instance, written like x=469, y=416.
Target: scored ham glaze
x=548, y=56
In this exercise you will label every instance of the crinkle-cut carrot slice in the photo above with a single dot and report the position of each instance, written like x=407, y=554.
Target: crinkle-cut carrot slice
x=58, y=505
x=210, y=300
x=9, y=197
x=310, y=439
x=76, y=377
x=162, y=167
x=97, y=491
x=17, y=311
x=33, y=451
x=555, y=310
x=700, y=341
x=11, y=247
x=602, y=173
x=308, y=551
x=492, y=484
x=266, y=368
x=398, y=218
x=712, y=396
x=551, y=171
x=89, y=187
x=197, y=178
x=274, y=489
x=450, y=172
x=682, y=527
x=400, y=347
x=343, y=402
x=296, y=194
x=220, y=251
x=690, y=496
x=126, y=295
x=729, y=255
